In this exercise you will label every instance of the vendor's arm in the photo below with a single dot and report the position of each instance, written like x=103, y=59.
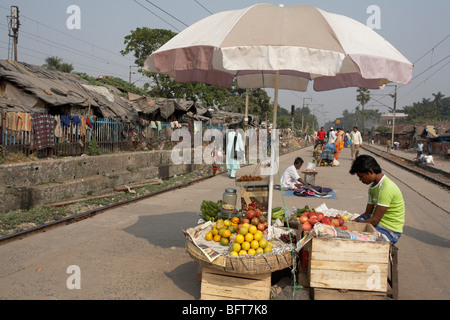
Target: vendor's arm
x=302, y=181
x=367, y=213
x=377, y=215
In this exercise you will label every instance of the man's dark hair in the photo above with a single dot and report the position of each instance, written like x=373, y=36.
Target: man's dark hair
x=298, y=160
x=355, y=128
x=364, y=164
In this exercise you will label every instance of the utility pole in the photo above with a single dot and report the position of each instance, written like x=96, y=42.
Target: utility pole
x=393, y=115
x=14, y=27
x=304, y=108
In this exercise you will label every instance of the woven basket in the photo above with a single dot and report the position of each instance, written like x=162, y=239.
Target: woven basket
x=248, y=264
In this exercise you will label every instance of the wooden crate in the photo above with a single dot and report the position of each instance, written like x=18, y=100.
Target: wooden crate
x=349, y=264
x=335, y=294
x=219, y=285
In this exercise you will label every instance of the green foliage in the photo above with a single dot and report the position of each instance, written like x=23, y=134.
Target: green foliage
x=427, y=110
x=57, y=64
x=94, y=149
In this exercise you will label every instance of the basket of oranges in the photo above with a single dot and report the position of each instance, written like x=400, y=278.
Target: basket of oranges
x=241, y=248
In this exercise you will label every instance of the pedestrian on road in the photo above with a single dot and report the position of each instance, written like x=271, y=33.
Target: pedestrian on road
x=235, y=148
x=320, y=138
x=385, y=208
x=419, y=148
x=356, y=140
x=332, y=136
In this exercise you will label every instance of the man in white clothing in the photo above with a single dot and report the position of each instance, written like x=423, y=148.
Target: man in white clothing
x=356, y=139
x=332, y=136
x=291, y=178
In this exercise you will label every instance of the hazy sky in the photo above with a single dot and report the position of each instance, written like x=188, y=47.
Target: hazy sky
x=419, y=29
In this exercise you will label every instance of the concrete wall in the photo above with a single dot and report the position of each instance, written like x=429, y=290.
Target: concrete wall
x=26, y=185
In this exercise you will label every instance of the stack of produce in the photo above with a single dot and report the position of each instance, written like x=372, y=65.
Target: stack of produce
x=210, y=210
x=222, y=230
x=309, y=217
x=253, y=215
x=277, y=213
x=249, y=240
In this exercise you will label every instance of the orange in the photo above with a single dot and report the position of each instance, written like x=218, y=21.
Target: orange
x=269, y=244
x=234, y=254
x=247, y=225
x=258, y=235
x=235, y=220
x=254, y=244
x=221, y=230
x=245, y=245
x=236, y=247
x=240, y=238
x=209, y=236
x=268, y=249
x=251, y=252
x=227, y=223
x=242, y=253
x=226, y=233
x=215, y=231
x=252, y=229
x=263, y=243
x=243, y=230
x=224, y=241
x=249, y=237
x=259, y=250
x=217, y=238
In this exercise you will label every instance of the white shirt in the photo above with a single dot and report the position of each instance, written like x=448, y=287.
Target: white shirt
x=356, y=137
x=290, y=178
x=332, y=137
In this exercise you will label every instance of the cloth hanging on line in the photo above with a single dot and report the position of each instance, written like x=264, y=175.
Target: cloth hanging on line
x=43, y=131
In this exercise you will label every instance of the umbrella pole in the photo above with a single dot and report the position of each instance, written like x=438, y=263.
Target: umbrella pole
x=272, y=153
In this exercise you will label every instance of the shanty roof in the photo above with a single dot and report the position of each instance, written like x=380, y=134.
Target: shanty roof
x=29, y=88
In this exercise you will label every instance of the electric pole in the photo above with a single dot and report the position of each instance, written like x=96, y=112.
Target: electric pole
x=14, y=27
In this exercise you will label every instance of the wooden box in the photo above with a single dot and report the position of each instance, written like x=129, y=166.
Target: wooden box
x=220, y=285
x=349, y=264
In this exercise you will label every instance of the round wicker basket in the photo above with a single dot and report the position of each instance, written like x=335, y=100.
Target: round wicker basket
x=248, y=264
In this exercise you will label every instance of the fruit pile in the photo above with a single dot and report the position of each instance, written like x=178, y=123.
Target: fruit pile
x=309, y=217
x=249, y=178
x=249, y=240
x=210, y=210
x=254, y=216
x=222, y=231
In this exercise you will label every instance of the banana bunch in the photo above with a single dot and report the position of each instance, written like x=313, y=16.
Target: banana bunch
x=210, y=210
x=277, y=213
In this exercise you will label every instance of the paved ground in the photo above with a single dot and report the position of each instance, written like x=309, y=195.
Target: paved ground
x=137, y=251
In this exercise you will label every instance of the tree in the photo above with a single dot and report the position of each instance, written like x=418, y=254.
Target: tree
x=57, y=64
x=363, y=98
x=144, y=41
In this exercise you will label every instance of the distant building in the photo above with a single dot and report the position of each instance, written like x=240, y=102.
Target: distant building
x=386, y=119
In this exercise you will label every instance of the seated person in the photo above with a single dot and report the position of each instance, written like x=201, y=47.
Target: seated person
x=291, y=178
x=428, y=159
x=385, y=208
x=328, y=153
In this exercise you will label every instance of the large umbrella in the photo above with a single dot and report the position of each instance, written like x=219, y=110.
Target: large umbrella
x=265, y=46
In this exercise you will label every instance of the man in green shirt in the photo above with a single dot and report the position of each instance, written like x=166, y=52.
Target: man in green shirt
x=385, y=208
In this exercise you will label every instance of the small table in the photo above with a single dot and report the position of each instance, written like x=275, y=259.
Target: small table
x=310, y=177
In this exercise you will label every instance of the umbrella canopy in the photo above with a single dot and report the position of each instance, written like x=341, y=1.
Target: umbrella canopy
x=302, y=43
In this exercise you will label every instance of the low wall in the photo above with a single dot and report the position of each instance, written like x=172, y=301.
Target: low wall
x=26, y=185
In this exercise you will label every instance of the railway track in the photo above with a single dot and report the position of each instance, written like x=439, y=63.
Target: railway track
x=437, y=177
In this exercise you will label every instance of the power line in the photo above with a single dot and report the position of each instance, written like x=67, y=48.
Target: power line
x=203, y=6
x=167, y=13
x=157, y=15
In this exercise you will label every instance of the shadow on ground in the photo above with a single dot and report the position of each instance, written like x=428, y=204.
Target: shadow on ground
x=164, y=230
x=426, y=237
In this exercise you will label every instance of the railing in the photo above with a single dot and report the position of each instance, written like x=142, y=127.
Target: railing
x=73, y=139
